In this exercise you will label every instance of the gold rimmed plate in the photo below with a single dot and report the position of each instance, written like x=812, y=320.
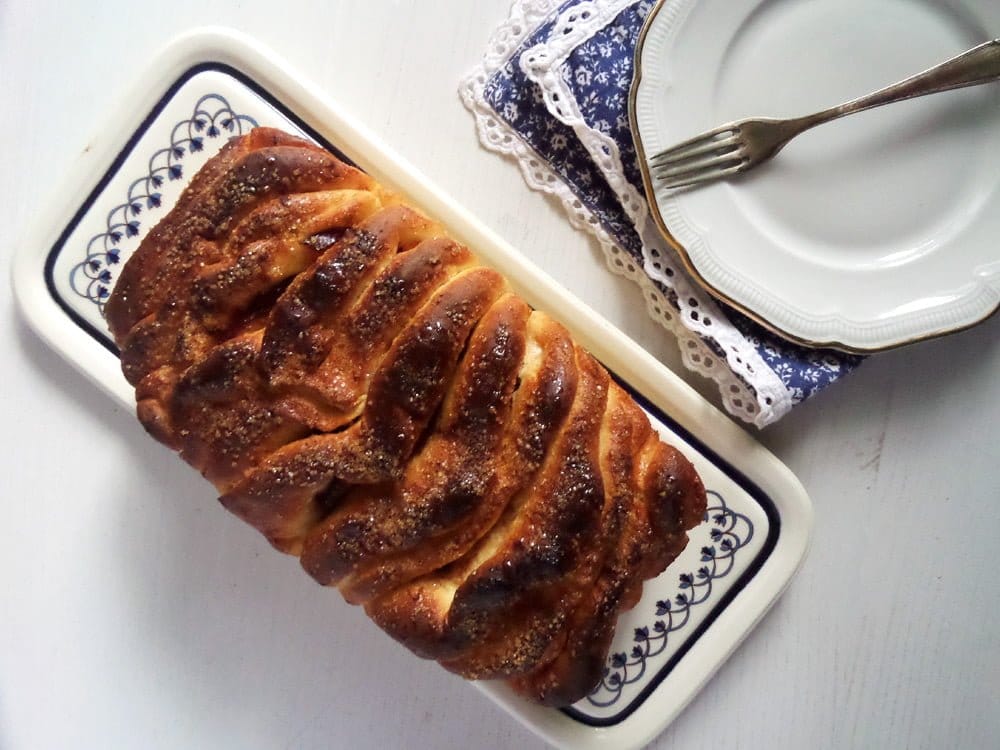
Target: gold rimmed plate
x=868, y=233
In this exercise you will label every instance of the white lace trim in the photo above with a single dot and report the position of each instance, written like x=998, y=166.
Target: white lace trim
x=698, y=311
x=738, y=398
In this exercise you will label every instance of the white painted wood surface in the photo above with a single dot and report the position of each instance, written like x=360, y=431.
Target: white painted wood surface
x=136, y=613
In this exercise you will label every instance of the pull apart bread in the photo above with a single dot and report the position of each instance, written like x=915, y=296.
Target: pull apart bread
x=373, y=400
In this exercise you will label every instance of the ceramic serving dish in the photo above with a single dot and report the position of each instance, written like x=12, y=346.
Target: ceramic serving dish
x=210, y=85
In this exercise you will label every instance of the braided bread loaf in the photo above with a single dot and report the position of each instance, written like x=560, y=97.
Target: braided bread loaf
x=373, y=400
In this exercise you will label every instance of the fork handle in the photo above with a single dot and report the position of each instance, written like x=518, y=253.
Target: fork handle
x=978, y=65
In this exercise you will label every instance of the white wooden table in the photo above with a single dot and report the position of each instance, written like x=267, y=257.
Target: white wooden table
x=134, y=612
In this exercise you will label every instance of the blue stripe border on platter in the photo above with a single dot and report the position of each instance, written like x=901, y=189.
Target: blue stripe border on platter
x=126, y=151
x=770, y=541
x=755, y=492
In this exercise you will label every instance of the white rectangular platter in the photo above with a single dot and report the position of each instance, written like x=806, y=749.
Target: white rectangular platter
x=213, y=84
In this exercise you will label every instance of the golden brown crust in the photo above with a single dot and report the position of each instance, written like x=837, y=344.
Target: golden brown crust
x=450, y=493
x=372, y=399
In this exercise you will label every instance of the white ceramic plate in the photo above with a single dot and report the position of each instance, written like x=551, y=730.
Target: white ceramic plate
x=865, y=233
x=210, y=85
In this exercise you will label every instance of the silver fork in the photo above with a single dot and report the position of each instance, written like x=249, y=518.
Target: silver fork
x=738, y=146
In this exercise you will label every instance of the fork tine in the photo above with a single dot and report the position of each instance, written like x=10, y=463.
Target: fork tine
x=698, y=164
x=718, y=148
x=695, y=176
x=700, y=144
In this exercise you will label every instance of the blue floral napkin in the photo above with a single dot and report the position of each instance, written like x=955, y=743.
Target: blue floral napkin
x=761, y=375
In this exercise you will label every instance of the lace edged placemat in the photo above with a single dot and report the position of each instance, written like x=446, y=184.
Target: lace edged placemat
x=552, y=93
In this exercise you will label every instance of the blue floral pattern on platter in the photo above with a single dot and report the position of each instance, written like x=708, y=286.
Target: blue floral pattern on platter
x=93, y=277
x=730, y=532
x=599, y=72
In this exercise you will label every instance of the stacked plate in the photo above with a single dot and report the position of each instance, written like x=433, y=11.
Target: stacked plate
x=863, y=234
